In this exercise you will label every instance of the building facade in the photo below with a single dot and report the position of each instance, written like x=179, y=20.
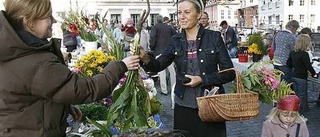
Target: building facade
x=274, y=14
x=119, y=10
x=223, y=10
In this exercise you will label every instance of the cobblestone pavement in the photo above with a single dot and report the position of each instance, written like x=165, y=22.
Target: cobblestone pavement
x=249, y=128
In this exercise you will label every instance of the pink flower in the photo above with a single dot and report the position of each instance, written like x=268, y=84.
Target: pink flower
x=76, y=70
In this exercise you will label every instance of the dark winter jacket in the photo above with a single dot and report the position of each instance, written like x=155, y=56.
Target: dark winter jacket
x=159, y=37
x=212, y=56
x=36, y=87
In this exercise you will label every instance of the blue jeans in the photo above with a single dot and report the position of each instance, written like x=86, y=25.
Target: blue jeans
x=287, y=72
x=301, y=90
x=233, y=52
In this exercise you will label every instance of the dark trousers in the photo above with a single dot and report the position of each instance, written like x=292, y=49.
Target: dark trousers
x=300, y=87
x=188, y=120
x=287, y=72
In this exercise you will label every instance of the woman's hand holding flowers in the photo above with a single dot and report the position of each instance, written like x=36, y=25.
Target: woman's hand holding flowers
x=143, y=54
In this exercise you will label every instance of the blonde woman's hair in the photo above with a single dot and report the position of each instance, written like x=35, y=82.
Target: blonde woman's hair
x=302, y=43
x=25, y=12
x=275, y=112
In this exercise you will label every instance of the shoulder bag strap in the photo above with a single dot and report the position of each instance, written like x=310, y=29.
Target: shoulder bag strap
x=298, y=129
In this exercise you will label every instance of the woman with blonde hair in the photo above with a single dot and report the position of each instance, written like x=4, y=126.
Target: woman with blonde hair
x=299, y=60
x=36, y=87
x=198, y=54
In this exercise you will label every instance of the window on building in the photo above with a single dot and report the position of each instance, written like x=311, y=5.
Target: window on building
x=301, y=18
x=269, y=5
x=222, y=14
x=312, y=18
x=278, y=19
x=229, y=14
x=153, y=20
x=251, y=1
x=290, y=2
x=301, y=2
x=269, y=19
x=116, y=18
x=277, y=4
x=290, y=17
x=173, y=17
x=313, y=2
x=135, y=18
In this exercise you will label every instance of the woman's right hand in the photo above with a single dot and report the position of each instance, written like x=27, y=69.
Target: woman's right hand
x=143, y=54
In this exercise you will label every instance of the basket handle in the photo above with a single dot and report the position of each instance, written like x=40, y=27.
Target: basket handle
x=240, y=88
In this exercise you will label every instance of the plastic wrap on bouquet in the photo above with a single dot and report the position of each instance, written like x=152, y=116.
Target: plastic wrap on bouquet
x=90, y=45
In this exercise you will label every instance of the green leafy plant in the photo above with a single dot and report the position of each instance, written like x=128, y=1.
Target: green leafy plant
x=93, y=111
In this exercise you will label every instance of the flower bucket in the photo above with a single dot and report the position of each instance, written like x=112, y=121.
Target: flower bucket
x=256, y=57
x=90, y=45
x=243, y=57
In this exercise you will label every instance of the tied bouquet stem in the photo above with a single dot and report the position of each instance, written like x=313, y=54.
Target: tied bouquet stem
x=132, y=103
x=131, y=108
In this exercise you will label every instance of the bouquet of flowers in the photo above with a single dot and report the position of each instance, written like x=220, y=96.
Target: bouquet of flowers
x=256, y=45
x=92, y=63
x=261, y=79
x=254, y=49
x=80, y=25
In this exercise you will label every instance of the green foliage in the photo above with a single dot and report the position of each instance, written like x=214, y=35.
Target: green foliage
x=258, y=39
x=156, y=106
x=264, y=81
x=94, y=111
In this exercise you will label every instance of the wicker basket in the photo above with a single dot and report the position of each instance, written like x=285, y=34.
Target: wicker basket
x=229, y=107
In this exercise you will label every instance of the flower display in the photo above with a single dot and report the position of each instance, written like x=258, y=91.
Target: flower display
x=265, y=81
x=92, y=63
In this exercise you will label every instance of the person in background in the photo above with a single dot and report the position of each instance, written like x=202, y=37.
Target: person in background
x=268, y=42
x=37, y=87
x=309, y=33
x=283, y=43
x=166, y=21
x=129, y=32
x=299, y=61
x=198, y=54
x=145, y=37
x=204, y=20
x=159, y=40
x=230, y=38
x=285, y=120
x=117, y=33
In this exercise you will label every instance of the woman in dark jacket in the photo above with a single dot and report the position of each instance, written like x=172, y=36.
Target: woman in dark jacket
x=199, y=54
x=36, y=87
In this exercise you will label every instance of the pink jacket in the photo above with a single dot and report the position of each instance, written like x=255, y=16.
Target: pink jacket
x=275, y=128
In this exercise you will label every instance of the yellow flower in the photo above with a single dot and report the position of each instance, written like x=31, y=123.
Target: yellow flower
x=93, y=63
x=254, y=49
